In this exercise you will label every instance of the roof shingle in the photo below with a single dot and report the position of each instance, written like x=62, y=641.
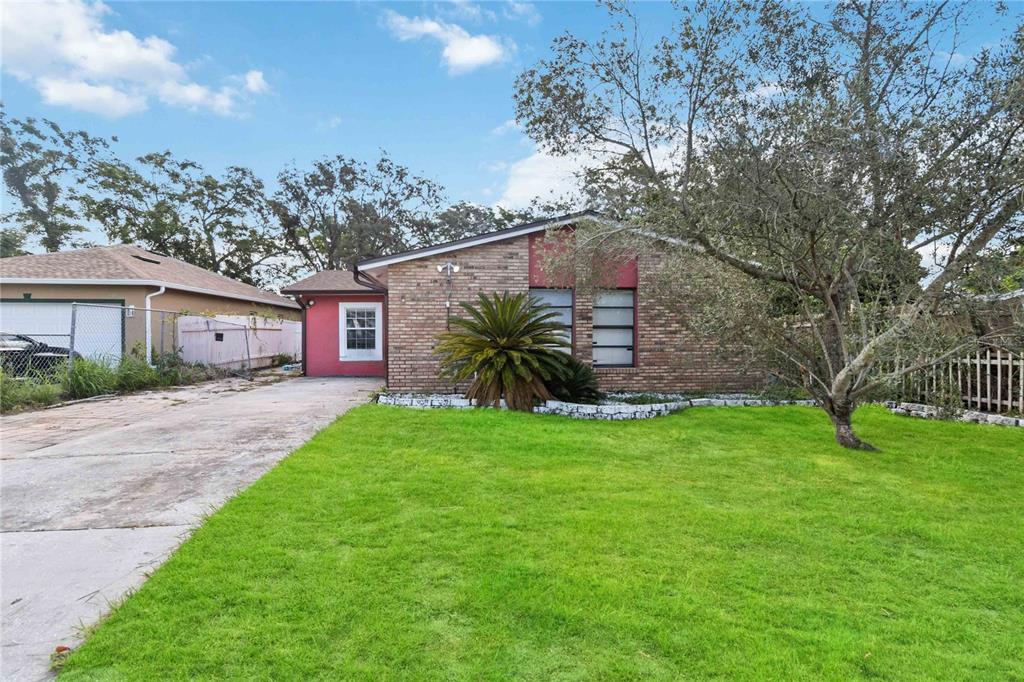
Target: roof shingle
x=129, y=262
x=341, y=281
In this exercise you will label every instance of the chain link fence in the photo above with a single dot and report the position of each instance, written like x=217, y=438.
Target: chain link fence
x=106, y=334
x=32, y=354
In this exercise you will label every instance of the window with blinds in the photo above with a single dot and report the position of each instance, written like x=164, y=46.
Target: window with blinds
x=560, y=301
x=614, y=328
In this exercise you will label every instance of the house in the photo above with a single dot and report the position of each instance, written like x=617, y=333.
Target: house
x=383, y=318
x=36, y=293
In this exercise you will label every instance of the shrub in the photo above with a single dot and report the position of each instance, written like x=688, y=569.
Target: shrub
x=88, y=378
x=20, y=392
x=135, y=374
x=778, y=391
x=509, y=346
x=578, y=384
x=173, y=371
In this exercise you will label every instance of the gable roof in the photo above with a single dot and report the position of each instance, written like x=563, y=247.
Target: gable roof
x=329, y=281
x=128, y=265
x=477, y=240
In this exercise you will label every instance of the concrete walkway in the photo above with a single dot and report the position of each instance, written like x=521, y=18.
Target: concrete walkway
x=96, y=495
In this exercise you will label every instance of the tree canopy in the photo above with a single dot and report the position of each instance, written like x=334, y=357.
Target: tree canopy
x=44, y=170
x=813, y=162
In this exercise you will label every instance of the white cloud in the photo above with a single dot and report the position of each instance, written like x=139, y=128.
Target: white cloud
x=542, y=175
x=64, y=50
x=96, y=99
x=506, y=127
x=462, y=52
x=522, y=11
x=255, y=83
x=494, y=166
x=955, y=59
x=194, y=96
x=463, y=9
x=552, y=177
x=329, y=123
x=767, y=91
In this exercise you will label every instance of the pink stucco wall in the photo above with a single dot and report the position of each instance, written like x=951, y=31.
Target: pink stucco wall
x=322, y=346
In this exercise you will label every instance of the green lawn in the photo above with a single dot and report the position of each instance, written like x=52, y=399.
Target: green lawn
x=736, y=543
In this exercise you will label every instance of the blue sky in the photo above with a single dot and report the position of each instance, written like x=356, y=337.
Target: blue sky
x=265, y=84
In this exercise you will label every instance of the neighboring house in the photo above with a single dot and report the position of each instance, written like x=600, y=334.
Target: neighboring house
x=383, y=319
x=36, y=293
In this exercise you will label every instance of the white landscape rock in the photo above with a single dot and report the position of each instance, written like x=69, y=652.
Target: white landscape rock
x=922, y=411
x=614, y=410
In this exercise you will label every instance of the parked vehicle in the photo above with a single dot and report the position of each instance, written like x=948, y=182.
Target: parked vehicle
x=21, y=355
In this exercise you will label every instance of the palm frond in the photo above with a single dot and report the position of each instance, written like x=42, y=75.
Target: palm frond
x=511, y=346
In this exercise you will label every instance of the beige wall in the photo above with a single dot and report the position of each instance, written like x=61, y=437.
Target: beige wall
x=135, y=327
x=184, y=301
x=63, y=292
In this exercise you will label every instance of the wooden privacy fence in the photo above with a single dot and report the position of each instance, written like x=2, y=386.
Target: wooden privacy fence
x=990, y=380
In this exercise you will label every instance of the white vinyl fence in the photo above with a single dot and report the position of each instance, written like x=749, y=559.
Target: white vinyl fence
x=237, y=341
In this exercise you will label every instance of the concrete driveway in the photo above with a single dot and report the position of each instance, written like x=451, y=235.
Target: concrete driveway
x=96, y=495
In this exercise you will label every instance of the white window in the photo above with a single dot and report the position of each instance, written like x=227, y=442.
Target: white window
x=614, y=329
x=360, y=332
x=560, y=301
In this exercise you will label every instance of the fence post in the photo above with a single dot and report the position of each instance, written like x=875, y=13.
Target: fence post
x=71, y=339
x=163, y=316
x=248, y=353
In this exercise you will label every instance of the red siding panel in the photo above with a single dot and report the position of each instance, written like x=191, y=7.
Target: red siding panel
x=322, y=344
x=543, y=247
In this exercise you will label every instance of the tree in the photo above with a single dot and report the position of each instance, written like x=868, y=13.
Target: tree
x=44, y=168
x=466, y=219
x=175, y=207
x=812, y=161
x=12, y=243
x=509, y=346
x=343, y=210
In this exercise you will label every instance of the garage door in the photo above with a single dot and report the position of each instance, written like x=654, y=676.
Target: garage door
x=97, y=337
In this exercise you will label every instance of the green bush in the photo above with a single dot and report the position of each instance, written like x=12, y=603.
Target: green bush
x=17, y=393
x=778, y=391
x=577, y=384
x=88, y=378
x=174, y=371
x=507, y=348
x=135, y=374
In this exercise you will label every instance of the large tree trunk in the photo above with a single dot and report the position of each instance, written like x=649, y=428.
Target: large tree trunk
x=840, y=413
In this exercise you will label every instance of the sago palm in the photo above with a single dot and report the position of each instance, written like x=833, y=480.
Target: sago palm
x=509, y=345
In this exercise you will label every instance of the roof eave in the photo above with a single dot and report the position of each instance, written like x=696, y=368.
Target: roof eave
x=479, y=240
x=328, y=292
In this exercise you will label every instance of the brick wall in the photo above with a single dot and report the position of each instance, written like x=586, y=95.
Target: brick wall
x=668, y=358
x=416, y=310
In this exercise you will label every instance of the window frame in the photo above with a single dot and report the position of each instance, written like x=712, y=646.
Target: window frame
x=571, y=307
x=632, y=327
x=360, y=354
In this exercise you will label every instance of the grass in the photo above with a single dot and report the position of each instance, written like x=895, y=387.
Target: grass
x=736, y=543
x=89, y=378
x=27, y=392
